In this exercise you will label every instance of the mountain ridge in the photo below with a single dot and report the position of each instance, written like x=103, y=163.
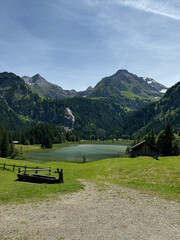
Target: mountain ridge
x=34, y=79
x=156, y=115
x=41, y=86
x=93, y=117
x=134, y=91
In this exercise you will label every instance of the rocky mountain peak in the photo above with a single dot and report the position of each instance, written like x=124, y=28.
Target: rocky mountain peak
x=122, y=71
x=89, y=88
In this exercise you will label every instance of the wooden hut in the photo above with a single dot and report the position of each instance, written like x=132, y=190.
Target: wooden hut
x=145, y=148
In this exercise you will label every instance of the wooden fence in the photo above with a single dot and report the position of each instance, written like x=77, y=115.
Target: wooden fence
x=4, y=166
x=40, y=176
x=38, y=171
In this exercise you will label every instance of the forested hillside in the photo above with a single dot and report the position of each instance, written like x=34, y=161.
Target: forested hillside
x=91, y=116
x=130, y=90
x=9, y=119
x=155, y=115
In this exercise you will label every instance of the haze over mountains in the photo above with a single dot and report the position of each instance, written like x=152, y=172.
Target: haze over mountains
x=121, y=105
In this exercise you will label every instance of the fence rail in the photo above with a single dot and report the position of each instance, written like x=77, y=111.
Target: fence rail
x=4, y=166
x=36, y=170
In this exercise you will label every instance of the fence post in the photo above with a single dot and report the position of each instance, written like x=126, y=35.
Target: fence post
x=4, y=166
x=19, y=170
x=36, y=171
x=49, y=171
x=14, y=167
x=61, y=176
x=25, y=170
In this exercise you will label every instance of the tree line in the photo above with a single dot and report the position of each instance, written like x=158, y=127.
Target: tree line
x=6, y=143
x=42, y=133
x=167, y=141
x=45, y=134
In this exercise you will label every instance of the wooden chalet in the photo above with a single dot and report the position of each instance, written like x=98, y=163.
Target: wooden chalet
x=145, y=148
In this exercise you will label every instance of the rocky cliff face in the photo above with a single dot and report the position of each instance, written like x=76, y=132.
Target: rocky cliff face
x=41, y=86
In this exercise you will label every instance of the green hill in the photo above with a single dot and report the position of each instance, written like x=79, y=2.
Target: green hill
x=132, y=91
x=92, y=117
x=156, y=115
x=9, y=119
x=89, y=116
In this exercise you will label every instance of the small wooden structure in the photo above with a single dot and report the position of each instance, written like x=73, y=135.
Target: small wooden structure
x=145, y=148
x=38, y=177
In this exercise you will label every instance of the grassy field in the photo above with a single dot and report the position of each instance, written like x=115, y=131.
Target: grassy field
x=160, y=178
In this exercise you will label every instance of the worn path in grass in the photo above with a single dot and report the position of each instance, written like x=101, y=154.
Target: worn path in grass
x=99, y=212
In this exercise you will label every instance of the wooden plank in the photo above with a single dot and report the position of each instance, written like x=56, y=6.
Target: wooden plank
x=46, y=173
x=35, y=169
x=37, y=178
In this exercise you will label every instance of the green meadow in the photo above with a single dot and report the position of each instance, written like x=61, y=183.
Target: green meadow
x=156, y=177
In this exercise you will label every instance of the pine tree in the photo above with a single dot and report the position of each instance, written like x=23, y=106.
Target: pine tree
x=165, y=141
x=152, y=139
x=175, y=147
x=169, y=136
x=11, y=147
x=161, y=139
x=5, y=145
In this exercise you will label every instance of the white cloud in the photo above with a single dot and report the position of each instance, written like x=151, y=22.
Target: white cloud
x=163, y=8
x=156, y=7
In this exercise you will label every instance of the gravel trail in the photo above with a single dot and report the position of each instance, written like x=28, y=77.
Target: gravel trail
x=114, y=213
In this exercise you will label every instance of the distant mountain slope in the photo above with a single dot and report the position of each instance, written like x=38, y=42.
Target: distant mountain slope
x=123, y=83
x=41, y=86
x=131, y=91
x=159, y=87
x=156, y=115
x=9, y=119
x=90, y=116
x=18, y=96
x=85, y=93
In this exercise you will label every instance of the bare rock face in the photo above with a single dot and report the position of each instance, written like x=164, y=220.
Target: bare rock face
x=70, y=119
x=41, y=86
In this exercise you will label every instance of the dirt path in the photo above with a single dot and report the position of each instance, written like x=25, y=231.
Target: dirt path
x=116, y=213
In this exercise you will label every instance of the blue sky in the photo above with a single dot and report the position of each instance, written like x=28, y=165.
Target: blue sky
x=75, y=43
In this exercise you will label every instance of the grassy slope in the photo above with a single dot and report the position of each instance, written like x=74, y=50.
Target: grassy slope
x=143, y=173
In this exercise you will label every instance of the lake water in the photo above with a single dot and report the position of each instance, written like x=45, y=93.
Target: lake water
x=92, y=152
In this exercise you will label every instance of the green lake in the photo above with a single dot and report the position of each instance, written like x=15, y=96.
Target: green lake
x=92, y=152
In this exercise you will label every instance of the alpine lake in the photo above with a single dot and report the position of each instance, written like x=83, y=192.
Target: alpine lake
x=79, y=153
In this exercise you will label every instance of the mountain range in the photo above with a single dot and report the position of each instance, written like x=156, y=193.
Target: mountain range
x=122, y=105
x=41, y=86
x=134, y=91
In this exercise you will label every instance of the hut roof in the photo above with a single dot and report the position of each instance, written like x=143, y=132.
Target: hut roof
x=145, y=142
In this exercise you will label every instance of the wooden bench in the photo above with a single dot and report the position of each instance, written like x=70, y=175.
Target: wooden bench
x=39, y=175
